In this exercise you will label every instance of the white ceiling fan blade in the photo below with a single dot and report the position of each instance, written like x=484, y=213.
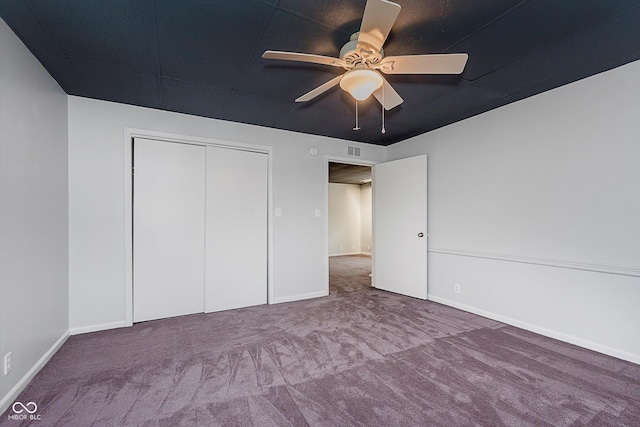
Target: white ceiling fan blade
x=320, y=89
x=452, y=63
x=387, y=96
x=304, y=57
x=378, y=18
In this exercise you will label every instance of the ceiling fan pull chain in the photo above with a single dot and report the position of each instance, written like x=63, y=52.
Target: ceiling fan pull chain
x=383, y=129
x=357, y=127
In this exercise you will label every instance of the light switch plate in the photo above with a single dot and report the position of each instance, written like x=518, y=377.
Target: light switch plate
x=7, y=363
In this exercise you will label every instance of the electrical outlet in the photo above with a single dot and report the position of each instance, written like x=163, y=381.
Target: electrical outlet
x=456, y=288
x=7, y=363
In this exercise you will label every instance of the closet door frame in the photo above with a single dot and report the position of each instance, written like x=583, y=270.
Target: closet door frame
x=129, y=135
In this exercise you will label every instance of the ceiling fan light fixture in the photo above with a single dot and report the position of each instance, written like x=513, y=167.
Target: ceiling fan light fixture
x=364, y=58
x=361, y=82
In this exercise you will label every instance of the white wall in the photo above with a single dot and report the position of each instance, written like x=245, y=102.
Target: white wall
x=534, y=209
x=97, y=202
x=349, y=219
x=344, y=219
x=33, y=214
x=366, y=242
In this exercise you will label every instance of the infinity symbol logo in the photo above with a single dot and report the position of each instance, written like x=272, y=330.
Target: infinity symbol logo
x=19, y=407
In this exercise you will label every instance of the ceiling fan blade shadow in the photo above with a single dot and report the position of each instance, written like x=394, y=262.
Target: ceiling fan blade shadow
x=379, y=16
x=451, y=63
x=319, y=90
x=387, y=96
x=303, y=57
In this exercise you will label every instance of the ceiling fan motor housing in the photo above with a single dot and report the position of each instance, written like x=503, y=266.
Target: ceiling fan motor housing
x=353, y=55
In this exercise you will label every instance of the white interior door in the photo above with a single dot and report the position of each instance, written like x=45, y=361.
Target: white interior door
x=400, y=226
x=236, y=244
x=168, y=229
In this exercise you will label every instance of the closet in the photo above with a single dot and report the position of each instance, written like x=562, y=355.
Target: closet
x=199, y=228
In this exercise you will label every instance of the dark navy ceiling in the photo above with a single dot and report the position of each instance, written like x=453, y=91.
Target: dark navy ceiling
x=203, y=57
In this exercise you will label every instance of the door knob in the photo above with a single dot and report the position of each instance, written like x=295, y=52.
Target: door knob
x=420, y=234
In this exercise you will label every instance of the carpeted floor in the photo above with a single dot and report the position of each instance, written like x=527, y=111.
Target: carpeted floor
x=357, y=357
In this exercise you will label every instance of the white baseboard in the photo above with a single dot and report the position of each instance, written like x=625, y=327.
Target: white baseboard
x=20, y=385
x=620, y=354
x=96, y=328
x=344, y=254
x=300, y=297
x=350, y=253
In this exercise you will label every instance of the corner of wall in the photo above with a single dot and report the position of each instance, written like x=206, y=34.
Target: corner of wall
x=34, y=279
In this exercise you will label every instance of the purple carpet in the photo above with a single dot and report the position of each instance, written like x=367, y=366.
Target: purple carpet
x=357, y=357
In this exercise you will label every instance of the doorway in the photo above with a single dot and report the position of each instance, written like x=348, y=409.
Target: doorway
x=349, y=227
x=399, y=225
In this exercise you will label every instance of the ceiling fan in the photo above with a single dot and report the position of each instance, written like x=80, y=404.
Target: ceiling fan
x=363, y=58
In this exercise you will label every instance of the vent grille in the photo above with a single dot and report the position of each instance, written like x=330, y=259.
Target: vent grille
x=353, y=151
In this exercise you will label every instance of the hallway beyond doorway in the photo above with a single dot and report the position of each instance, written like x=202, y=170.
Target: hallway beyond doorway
x=349, y=273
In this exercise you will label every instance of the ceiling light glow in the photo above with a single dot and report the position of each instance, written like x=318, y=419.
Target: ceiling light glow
x=361, y=82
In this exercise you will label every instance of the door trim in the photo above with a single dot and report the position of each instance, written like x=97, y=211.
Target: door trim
x=348, y=161
x=128, y=136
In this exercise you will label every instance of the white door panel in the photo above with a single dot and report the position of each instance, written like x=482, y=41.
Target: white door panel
x=168, y=229
x=236, y=245
x=400, y=226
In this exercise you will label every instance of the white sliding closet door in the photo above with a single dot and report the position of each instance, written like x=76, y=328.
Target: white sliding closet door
x=168, y=229
x=236, y=244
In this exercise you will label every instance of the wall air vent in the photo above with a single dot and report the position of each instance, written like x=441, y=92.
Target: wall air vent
x=353, y=151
